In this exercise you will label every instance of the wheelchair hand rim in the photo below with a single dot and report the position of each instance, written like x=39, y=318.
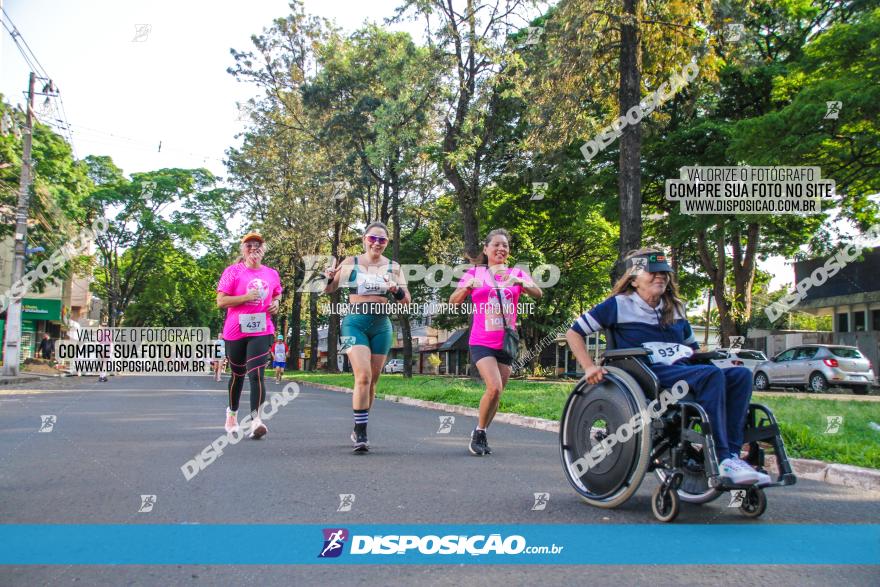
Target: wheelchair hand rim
x=641, y=440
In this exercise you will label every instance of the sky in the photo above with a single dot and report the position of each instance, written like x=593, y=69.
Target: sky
x=126, y=89
x=134, y=74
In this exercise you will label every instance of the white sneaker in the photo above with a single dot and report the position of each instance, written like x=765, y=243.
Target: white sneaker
x=738, y=471
x=258, y=429
x=763, y=478
x=231, y=421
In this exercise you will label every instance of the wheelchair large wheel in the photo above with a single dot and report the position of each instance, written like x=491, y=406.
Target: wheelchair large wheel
x=591, y=413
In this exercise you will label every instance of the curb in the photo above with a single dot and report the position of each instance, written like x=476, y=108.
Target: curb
x=831, y=473
x=47, y=376
x=845, y=397
x=14, y=380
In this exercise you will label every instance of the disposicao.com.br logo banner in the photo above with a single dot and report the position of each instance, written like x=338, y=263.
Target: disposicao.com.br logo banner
x=431, y=544
x=441, y=544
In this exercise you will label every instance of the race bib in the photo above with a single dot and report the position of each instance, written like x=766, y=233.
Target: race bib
x=252, y=323
x=373, y=285
x=666, y=353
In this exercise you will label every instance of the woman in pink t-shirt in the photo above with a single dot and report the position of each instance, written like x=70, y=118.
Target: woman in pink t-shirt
x=250, y=292
x=495, y=289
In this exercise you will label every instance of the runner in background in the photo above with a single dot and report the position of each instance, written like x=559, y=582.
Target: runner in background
x=220, y=362
x=250, y=292
x=279, y=356
x=489, y=283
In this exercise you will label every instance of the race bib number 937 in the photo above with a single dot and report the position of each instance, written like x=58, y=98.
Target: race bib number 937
x=667, y=353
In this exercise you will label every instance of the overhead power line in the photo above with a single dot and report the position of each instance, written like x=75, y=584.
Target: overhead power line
x=37, y=67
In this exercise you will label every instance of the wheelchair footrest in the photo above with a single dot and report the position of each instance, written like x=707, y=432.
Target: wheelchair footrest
x=786, y=480
x=725, y=486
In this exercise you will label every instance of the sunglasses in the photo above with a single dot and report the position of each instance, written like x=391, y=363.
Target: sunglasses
x=377, y=239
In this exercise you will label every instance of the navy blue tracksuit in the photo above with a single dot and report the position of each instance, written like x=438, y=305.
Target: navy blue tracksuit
x=724, y=393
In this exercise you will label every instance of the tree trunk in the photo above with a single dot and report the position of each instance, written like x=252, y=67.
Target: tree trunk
x=744, y=275
x=733, y=314
x=715, y=264
x=629, y=95
x=383, y=209
x=405, y=330
x=333, y=325
x=296, y=317
x=469, y=203
x=313, y=329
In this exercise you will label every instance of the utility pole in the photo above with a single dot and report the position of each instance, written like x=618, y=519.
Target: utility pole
x=12, y=340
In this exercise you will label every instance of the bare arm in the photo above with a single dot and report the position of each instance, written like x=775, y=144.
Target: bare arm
x=578, y=346
x=228, y=301
x=334, y=273
x=528, y=286
x=400, y=284
x=461, y=293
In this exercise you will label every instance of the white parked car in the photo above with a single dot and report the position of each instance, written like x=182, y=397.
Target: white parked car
x=739, y=358
x=394, y=366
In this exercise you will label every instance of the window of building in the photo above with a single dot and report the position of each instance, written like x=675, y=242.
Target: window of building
x=843, y=322
x=859, y=321
x=875, y=320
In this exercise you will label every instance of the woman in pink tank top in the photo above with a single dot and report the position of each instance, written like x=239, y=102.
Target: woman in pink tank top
x=494, y=289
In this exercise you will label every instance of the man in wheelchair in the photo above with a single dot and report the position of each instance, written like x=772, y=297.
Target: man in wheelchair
x=654, y=348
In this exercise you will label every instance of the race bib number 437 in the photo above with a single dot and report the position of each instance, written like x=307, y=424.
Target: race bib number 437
x=666, y=353
x=252, y=323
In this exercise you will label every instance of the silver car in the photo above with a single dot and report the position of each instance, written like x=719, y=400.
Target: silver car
x=817, y=367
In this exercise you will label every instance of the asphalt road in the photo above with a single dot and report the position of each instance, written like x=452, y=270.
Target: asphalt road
x=113, y=442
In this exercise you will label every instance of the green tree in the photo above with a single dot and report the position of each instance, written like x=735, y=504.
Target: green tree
x=181, y=292
x=596, y=60
x=470, y=43
x=58, y=187
x=152, y=211
x=766, y=110
x=374, y=95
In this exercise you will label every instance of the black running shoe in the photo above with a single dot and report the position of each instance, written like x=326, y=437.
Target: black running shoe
x=486, y=448
x=359, y=440
x=477, y=445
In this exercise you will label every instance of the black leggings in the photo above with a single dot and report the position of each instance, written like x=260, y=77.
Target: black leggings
x=247, y=356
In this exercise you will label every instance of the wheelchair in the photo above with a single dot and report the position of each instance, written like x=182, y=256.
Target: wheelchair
x=677, y=445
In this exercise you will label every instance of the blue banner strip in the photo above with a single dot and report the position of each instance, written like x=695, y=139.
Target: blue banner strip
x=619, y=544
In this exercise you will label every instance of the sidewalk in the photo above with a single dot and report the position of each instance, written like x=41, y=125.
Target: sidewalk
x=832, y=473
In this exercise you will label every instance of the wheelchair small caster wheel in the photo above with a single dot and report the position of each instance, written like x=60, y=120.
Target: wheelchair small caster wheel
x=754, y=503
x=665, y=503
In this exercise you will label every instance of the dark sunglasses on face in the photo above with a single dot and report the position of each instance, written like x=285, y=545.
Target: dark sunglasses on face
x=377, y=239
